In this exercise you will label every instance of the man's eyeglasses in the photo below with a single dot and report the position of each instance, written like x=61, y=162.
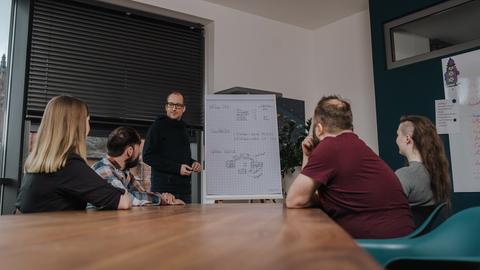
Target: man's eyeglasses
x=171, y=105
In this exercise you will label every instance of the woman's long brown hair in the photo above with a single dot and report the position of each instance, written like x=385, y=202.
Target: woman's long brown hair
x=431, y=149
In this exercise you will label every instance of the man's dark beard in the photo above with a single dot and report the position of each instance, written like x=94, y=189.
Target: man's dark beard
x=130, y=163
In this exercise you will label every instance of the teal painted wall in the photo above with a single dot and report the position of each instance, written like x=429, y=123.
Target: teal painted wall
x=410, y=89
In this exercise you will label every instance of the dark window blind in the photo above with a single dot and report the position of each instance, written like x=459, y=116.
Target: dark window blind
x=122, y=63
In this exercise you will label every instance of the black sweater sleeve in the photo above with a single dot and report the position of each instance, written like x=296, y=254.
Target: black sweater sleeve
x=88, y=186
x=152, y=149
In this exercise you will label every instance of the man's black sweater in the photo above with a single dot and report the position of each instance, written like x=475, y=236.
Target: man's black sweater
x=166, y=148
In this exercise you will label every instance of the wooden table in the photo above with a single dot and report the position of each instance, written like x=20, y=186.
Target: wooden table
x=223, y=236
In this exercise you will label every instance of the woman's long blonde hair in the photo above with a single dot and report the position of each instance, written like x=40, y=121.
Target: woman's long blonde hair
x=61, y=132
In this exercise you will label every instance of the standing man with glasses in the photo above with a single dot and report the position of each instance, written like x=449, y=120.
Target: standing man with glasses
x=167, y=151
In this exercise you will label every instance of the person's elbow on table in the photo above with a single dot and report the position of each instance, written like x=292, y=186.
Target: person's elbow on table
x=125, y=202
x=300, y=193
x=295, y=201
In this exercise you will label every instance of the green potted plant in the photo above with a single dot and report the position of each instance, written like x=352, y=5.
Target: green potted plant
x=291, y=136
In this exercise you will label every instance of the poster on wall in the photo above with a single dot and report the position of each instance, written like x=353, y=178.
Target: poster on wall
x=446, y=116
x=461, y=80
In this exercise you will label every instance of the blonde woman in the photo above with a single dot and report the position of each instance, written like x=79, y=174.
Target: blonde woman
x=57, y=176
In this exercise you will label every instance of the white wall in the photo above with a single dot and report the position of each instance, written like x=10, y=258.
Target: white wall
x=343, y=66
x=252, y=51
x=255, y=52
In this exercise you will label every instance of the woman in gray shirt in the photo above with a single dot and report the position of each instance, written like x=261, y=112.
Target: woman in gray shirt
x=425, y=180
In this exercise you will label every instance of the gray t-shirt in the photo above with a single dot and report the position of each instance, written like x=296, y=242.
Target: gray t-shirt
x=415, y=181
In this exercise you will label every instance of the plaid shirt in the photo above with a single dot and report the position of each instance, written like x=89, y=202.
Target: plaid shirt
x=121, y=179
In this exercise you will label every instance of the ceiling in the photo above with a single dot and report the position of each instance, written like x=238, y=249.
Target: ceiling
x=309, y=14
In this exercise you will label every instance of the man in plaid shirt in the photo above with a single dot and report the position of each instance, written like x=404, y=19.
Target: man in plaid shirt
x=123, y=153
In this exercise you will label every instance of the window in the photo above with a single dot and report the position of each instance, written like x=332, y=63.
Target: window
x=5, y=11
x=121, y=62
x=439, y=30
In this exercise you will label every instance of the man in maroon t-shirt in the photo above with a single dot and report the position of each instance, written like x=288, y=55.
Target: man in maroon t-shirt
x=347, y=179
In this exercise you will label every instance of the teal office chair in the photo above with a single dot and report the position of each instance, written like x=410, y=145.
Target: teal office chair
x=438, y=215
x=455, y=240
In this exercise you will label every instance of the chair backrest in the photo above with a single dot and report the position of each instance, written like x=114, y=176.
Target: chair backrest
x=431, y=217
x=457, y=236
x=7, y=202
x=439, y=214
x=8, y=182
x=421, y=213
x=457, y=239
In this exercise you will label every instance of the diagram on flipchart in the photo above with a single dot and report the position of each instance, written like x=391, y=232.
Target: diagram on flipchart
x=247, y=164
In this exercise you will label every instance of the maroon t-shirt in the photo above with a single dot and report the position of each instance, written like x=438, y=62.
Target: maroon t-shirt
x=358, y=189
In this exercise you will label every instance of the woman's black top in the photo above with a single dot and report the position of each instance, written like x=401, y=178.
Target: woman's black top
x=68, y=189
